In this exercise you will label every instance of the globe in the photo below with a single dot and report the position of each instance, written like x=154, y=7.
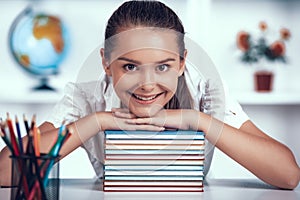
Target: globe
x=39, y=43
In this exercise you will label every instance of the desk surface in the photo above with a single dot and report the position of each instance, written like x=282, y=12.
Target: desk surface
x=214, y=189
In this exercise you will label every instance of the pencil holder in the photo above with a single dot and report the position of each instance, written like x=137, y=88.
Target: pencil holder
x=35, y=177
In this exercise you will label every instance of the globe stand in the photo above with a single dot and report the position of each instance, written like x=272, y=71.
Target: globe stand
x=44, y=85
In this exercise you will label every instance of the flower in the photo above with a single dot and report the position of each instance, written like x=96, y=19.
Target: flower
x=256, y=49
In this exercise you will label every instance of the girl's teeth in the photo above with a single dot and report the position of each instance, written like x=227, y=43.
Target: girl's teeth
x=145, y=98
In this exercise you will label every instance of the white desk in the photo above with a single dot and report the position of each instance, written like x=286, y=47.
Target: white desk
x=215, y=189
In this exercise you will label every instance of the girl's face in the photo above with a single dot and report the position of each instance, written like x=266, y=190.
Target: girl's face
x=145, y=78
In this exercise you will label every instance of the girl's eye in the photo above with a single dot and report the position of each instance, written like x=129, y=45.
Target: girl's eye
x=130, y=67
x=163, y=68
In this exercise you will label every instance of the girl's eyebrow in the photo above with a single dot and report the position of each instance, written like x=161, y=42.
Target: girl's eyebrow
x=139, y=63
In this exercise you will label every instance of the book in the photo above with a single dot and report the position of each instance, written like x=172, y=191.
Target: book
x=156, y=178
x=153, y=147
x=154, y=183
x=154, y=142
x=182, y=135
x=153, y=162
x=156, y=151
x=148, y=161
x=153, y=173
x=153, y=189
x=166, y=132
x=154, y=157
x=153, y=167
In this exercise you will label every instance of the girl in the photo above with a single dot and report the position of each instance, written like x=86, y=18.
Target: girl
x=147, y=86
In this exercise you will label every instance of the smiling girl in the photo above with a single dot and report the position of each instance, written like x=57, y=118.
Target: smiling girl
x=148, y=86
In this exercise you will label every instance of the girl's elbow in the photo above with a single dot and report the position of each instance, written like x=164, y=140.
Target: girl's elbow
x=292, y=173
x=292, y=180
x=295, y=181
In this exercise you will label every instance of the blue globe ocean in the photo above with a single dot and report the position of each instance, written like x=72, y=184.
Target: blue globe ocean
x=39, y=43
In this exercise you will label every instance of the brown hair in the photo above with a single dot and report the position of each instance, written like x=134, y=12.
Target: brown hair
x=150, y=14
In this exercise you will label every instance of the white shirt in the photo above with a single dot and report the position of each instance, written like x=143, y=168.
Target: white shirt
x=82, y=99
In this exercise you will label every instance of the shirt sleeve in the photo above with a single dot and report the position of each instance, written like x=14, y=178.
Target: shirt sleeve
x=70, y=107
x=216, y=101
x=234, y=113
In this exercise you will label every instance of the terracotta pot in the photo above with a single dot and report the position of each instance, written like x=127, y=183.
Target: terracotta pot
x=263, y=81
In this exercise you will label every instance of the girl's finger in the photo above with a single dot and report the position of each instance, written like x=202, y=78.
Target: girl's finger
x=123, y=125
x=123, y=115
x=146, y=127
x=139, y=121
x=123, y=110
x=149, y=121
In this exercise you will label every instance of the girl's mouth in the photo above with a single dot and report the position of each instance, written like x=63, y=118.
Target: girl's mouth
x=146, y=99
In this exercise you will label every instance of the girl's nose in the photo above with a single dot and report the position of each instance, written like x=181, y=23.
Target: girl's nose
x=147, y=87
x=148, y=81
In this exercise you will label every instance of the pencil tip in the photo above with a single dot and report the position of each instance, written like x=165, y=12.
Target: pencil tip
x=63, y=122
x=33, y=117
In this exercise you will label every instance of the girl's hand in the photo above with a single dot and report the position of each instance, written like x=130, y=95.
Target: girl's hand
x=117, y=120
x=174, y=119
x=122, y=113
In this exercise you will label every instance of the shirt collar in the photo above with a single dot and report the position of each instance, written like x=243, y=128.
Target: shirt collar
x=110, y=97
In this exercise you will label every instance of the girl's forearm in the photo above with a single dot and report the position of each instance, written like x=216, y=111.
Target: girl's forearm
x=266, y=158
x=81, y=130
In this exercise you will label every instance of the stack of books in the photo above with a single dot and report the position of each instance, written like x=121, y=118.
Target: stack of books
x=154, y=161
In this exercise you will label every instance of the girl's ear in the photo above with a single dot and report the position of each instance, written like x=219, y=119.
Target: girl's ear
x=105, y=63
x=182, y=63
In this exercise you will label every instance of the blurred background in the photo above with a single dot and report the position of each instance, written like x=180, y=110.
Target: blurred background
x=213, y=24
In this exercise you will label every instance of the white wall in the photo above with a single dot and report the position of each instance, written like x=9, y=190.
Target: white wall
x=211, y=23
x=226, y=19
x=229, y=17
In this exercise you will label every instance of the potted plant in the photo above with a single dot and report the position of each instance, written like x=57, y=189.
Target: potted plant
x=256, y=50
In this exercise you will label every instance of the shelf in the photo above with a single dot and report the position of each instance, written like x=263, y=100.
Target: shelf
x=30, y=97
x=271, y=98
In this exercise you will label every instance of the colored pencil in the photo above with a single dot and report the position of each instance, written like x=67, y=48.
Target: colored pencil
x=19, y=135
x=12, y=136
x=26, y=124
x=6, y=141
x=36, y=141
x=33, y=167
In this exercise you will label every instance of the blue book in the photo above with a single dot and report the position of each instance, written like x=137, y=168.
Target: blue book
x=168, y=134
